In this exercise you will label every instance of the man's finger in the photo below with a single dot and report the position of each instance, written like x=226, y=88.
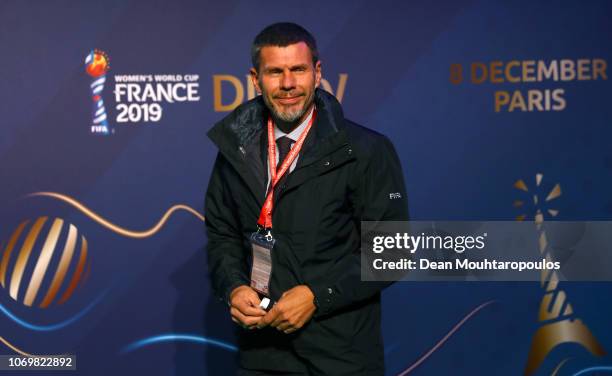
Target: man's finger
x=268, y=318
x=250, y=321
x=237, y=315
x=244, y=319
x=253, y=311
x=284, y=326
x=253, y=299
x=277, y=320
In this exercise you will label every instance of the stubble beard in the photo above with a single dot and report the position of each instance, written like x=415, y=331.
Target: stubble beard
x=290, y=117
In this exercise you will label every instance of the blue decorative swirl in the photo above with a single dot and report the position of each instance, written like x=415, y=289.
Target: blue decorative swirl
x=171, y=337
x=47, y=328
x=593, y=369
x=445, y=338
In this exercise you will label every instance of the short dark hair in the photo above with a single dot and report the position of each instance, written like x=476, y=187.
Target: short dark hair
x=282, y=34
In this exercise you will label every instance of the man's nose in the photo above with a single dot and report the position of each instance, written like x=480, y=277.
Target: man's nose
x=287, y=80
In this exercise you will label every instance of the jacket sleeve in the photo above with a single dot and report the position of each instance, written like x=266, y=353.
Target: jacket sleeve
x=379, y=176
x=227, y=264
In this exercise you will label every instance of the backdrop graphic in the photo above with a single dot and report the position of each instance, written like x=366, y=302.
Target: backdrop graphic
x=104, y=163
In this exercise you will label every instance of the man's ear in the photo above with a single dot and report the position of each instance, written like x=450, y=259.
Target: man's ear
x=255, y=79
x=317, y=73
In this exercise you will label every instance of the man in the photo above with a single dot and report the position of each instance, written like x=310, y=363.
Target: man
x=326, y=321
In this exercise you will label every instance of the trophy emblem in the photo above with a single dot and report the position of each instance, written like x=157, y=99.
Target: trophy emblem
x=97, y=64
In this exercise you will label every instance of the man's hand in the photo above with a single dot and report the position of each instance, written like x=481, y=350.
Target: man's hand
x=245, y=310
x=292, y=311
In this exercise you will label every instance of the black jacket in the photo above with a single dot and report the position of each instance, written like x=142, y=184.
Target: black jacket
x=345, y=174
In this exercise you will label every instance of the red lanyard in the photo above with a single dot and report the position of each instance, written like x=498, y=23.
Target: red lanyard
x=265, y=216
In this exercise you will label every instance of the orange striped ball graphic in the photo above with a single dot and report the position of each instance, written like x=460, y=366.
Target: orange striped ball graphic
x=43, y=262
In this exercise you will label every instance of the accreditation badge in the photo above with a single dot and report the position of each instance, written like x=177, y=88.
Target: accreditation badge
x=261, y=244
x=262, y=241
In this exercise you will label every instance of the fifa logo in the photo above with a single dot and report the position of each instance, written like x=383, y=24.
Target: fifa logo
x=97, y=64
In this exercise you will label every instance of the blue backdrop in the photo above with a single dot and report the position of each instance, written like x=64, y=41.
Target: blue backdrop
x=390, y=63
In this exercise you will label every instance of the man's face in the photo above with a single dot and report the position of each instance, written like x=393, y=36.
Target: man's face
x=287, y=79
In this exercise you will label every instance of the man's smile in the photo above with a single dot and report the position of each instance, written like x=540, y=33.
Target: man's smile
x=288, y=100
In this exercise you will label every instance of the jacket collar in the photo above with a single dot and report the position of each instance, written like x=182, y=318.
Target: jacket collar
x=238, y=129
x=240, y=134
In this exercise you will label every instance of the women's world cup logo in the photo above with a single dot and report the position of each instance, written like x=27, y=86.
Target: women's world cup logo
x=97, y=64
